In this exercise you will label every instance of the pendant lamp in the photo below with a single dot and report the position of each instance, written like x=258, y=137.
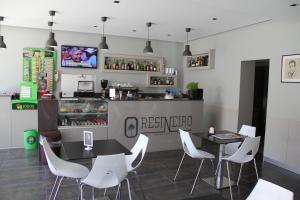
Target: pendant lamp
x=103, y=45
x=148, y=49
x=51, y=42
x=187, y=51
x=2, y=43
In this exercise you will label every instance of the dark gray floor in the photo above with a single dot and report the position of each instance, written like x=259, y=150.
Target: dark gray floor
x=22, y=177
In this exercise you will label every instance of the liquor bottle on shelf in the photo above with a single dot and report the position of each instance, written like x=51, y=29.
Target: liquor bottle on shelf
x=167, y=81
x=118, y=65
x=122, y=66
x=113, y=64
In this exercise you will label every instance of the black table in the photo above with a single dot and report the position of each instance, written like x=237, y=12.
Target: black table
x=75, y=150
x=219, y=181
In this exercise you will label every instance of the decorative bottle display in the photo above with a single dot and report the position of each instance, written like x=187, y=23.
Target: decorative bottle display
x=162, y=80
x=131, y=64
x=198, y=61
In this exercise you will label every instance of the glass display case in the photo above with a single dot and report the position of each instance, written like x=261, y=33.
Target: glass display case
x=83, y=112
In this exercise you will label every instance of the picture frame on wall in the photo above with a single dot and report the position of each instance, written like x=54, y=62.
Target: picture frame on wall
x=290, y=68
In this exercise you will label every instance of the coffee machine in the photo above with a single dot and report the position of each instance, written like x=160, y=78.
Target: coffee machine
x=104, y=84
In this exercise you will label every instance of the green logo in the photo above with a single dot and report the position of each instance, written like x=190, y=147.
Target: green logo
x=31, y=140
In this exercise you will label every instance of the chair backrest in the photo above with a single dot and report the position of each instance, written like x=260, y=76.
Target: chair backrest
x=266, y=190
x=250, y=145
x=107, y=171
x=187, y=143
x=140, y=147
x=53, y=161
x=249, y=131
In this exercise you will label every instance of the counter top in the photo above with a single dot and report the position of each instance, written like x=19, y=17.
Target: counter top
x=160, y=99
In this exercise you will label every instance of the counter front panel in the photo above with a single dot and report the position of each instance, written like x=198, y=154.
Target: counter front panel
x=160, y=120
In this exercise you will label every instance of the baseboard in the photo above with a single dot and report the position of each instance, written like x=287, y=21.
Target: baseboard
x=282, y=165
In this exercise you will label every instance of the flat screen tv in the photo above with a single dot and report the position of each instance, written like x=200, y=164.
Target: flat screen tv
x=79, y=57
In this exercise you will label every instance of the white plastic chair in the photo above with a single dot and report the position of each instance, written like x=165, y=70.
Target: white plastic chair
x=246, y=153
x=245, y=130
x=190, y=149
x=265, y=190
x=139, y=147
x=61, y=168
x=108, y=171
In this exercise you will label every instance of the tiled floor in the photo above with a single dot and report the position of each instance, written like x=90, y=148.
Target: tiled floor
x=22, y=177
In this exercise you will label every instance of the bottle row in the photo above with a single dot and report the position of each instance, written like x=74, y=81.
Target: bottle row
x=162, y=81
x=133, y=65
x=198, y=61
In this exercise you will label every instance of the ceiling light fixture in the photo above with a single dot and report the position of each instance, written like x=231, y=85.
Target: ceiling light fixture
x=103, y=45
x=116, y=1
x=2, y=43
x=148, y=49
x=51, y=42
x=187, y=51
x=214, y=18
x=294, y=4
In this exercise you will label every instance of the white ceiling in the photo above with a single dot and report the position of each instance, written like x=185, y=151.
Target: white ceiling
x=169, y=16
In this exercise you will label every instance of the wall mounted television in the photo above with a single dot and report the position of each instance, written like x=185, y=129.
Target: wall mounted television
x=79, y=57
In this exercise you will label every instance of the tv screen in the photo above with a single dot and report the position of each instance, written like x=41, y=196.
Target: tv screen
x=79, y=57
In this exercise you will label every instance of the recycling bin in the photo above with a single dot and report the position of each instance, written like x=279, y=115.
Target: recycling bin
x=30, y=139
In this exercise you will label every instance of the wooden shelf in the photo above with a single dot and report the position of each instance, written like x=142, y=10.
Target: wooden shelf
x=162, y=77
x=132, y=59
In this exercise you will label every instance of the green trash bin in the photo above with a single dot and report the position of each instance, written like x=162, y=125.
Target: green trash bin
x=30, y=139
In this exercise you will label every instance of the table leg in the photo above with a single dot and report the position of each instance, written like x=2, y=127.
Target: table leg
x=219, y=181
x=219, y=177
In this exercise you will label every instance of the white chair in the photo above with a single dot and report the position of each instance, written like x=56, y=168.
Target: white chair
x=140, y=147
x=246, y=153
x=245, y=130
x=190, y=149
x=62, y=169
x=265, y=190
x=108, y=171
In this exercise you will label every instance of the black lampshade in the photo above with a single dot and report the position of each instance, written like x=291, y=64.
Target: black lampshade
x=51, y=42
x=49, y=49
x=148, y=49
x=187, y=51
x=103, y=45
x=2, y=44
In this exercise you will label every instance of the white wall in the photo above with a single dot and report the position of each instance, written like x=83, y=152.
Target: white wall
x=270, y=40
x=17, y=38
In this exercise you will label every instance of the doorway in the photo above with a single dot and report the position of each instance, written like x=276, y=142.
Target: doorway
x=253, y=96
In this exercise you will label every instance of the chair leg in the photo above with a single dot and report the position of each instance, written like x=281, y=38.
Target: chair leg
x=81, y=191
x=229, y=181
x=218, y=166
x=117, y=192
x=139, y=181
x=58, y=187
x=104, y=192
x=240, y=173
x=53, y=187
x=196, y=177
x=179, y=166
x=255, y=168
x=213, y=165
x=129, y=192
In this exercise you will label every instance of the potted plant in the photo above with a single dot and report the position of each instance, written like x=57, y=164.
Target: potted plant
x=193, y=91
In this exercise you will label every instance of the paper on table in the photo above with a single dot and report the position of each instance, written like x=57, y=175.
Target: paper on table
x=227, y=136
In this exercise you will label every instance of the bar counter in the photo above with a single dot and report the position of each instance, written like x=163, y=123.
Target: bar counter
x=157, y=118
